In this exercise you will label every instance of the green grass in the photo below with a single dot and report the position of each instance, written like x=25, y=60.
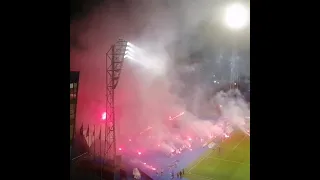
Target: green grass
x=232, y=163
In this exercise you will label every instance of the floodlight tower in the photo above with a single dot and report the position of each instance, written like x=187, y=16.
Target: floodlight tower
x=114, y=62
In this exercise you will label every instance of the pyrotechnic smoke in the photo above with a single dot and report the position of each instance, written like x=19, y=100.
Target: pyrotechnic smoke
x=234, y=108
x=176, y=40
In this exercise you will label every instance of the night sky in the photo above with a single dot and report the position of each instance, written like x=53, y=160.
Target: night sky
x=80, y=8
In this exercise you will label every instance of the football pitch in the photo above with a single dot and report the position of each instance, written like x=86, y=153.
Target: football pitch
x=232, y=163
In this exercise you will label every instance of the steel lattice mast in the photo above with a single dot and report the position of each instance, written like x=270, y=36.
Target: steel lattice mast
x=114, y=62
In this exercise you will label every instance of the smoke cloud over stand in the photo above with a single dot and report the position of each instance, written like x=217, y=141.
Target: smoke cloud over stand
x=180, y=58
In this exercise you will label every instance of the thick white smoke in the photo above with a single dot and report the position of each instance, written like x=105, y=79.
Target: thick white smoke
x=144, y=96
x=234, y=108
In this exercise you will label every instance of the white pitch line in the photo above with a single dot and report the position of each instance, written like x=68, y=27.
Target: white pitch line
x=209, y=154
x=228, y=160
x=199, y=162
x=195, y=164
x=239, y=143
x=204, y=177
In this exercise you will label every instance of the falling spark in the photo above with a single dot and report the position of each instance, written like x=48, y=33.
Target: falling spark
x=172, y=118
x=147, y=129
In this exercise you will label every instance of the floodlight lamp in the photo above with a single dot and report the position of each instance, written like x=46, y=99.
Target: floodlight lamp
x=130, y=44
x=128, y=56
x=128, y=53
x=237, y=16
x=130, y=49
